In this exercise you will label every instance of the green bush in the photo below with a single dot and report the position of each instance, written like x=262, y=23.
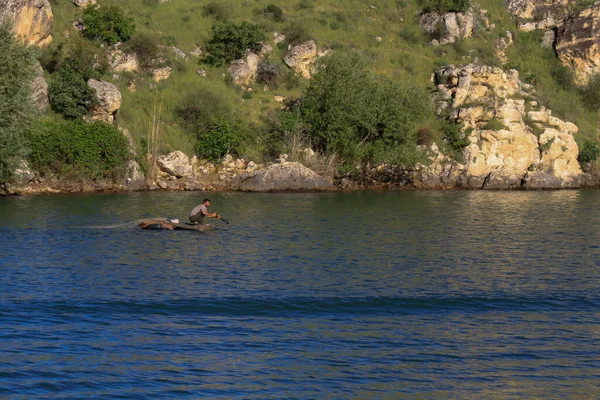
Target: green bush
x=590, y=93
x=350, y=112
x=89, y=59
x=107, y=24
x=455, y=136
x=16, y=109
x=199, y=108
x=306, y=4
x=589, y=152
x=74, y=149
x=70, y=94
x=230, y=42
x=217, y=10
x=274, y=13
x=494, y=124
x=296, y=32
x=146, y=47
x=443, y=6
x=221, y=137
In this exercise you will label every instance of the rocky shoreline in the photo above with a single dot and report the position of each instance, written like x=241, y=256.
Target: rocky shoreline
x=176, y=172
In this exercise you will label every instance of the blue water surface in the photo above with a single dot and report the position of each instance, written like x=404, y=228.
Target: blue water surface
x=385, y=295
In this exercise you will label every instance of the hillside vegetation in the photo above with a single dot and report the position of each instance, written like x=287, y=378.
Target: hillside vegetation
x=382, y=104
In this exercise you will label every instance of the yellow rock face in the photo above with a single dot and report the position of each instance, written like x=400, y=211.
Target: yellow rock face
x=32, y=20
x=503, y=149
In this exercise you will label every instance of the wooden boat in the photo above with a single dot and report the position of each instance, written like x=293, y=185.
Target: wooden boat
x=172, y=225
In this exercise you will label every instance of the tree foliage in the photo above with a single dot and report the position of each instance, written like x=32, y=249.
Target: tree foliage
x=230, y=42
x=16, y=109
x=107, y=24
x=70, y=94
x=74, y=149
x=219, y=138
x=359, y=116
x=589, y=152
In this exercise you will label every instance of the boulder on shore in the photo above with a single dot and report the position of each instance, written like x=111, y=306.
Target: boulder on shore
x=288, y=176
x=176, y=164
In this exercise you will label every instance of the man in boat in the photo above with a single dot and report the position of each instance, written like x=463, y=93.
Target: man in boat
x=201, y=211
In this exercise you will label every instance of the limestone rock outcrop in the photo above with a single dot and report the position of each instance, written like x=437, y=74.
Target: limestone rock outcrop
x=176, y=164
x=578, y=43
x=448, y=27
x=243, y=71
x=120, y=61
x=286, y=176
x=537, y=14
x=301, y=58
x=32, y=19
x=109, y=101
x=39, y=90
x=160, y=74
x=513, y=142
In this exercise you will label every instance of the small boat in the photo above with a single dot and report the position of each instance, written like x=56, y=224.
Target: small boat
x=172, y=225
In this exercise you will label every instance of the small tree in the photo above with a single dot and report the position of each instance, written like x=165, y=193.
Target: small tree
x=221, y=137
x=359, y=116
x=16, y=109
x=70, y=94
x=589, y=152
x=107, y=24
x=274, y=13
x=230, y=42
x=76, y=149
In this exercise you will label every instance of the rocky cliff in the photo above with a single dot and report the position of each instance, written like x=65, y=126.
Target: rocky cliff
x=32, y=19
x=513, y=141
x=578, y=43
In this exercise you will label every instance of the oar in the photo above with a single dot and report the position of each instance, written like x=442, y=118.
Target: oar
x=224, y=220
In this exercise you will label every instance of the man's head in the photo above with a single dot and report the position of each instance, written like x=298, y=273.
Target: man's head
x=206, y=202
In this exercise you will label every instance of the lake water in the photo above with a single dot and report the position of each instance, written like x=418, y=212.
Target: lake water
x=385, y=295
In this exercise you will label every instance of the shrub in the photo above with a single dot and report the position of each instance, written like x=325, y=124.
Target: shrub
x=305, y=4
x=296, y=32
x=107, y=24
x=494, y=124
x=87, y=58
x=268, y=74
x=70, y=94
x=455, y=136
x=198, y=109
x=216, y=10
x=274, y=13
x=75, y=149
x=590, y=93
x=16, y=109
x=562, y=75
x=443, y=6
x=220, y=137
x=146, y=48
x=230, y=42
x=589, y=152
x=350, y=112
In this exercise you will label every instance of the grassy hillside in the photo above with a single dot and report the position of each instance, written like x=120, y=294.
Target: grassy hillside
x=402, y=54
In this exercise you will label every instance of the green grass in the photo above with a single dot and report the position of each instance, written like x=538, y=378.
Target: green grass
x=403, y=54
